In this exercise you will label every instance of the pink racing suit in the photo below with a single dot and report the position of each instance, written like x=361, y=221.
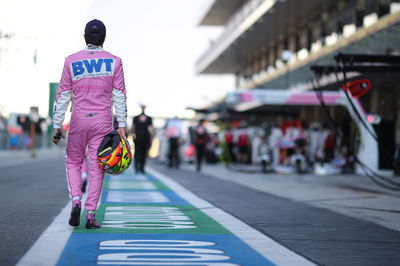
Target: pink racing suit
x=93, y=80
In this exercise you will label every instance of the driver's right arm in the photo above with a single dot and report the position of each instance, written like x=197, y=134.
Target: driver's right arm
x=63, y=97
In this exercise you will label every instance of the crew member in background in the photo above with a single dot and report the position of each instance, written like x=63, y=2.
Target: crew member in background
x=93, y=80
x=25, y=123
x=243, y=146
x=142, y=128
x=329, y=144
x=173, y=131
x=200, y=139
x=3, y=132
x=230, y=144
x=274, y=144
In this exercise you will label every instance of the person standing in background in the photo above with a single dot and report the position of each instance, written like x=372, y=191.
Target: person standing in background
x=314, y=138
x=329, y=144
x=228, y=137
x=173, y=131
x=243, y=146
x=142, y=128
x=3, y=132
x=25, y=123
x=274, y=144
x=200, y=139
x=35, y=129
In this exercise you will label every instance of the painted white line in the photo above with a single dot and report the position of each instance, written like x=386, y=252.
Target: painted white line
x=131, y=185
x=121, y=196
x=47, y=249
x=264, y=245
x=129, y=177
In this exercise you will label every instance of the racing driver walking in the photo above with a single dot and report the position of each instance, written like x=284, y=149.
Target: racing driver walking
x=93, y=80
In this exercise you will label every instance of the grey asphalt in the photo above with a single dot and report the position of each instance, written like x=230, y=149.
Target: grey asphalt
x=32, y=194
x=351, y=195
x=322, y=236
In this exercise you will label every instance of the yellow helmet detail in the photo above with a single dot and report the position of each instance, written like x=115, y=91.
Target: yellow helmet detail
x=114, y=153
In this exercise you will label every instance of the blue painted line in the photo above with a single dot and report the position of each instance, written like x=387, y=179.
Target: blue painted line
x=171, y=197
x=111, y=248
x=84, y=248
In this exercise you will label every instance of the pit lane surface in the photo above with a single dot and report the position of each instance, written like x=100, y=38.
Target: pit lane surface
x=323, y=236
x=151, y=220
x=32, y=193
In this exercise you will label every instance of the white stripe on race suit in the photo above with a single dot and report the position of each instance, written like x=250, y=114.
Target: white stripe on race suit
x=119, y=101
x=60, y=107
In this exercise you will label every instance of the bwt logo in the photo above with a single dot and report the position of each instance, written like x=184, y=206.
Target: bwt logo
x=92, y=68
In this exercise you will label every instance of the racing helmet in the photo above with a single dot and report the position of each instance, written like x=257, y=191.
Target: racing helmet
x=114, y=154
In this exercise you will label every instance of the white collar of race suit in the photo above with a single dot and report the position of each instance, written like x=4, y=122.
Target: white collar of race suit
x=93, y=47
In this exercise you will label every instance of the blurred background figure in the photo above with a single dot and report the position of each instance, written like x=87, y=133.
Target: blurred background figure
x=274, y=140
x=142, y=130
x=264, y=153
x=3, y=132
x=299, y=159
x=230, y=144
x=314, y=138
x=212, y=150
x=243, y=146
x=188, y=153
x=200, y=138
x=25, y=123
x=173, y=132
x=329, y=143
x=31, y=129
x=35, y=130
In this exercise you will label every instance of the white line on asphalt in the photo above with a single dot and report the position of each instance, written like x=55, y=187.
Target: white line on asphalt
x=264, y=245
x=47, y=249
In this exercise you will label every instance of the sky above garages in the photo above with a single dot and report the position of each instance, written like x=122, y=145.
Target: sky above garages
x=158, y=41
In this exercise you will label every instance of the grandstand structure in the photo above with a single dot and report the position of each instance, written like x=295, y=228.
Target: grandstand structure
x=271, y=45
